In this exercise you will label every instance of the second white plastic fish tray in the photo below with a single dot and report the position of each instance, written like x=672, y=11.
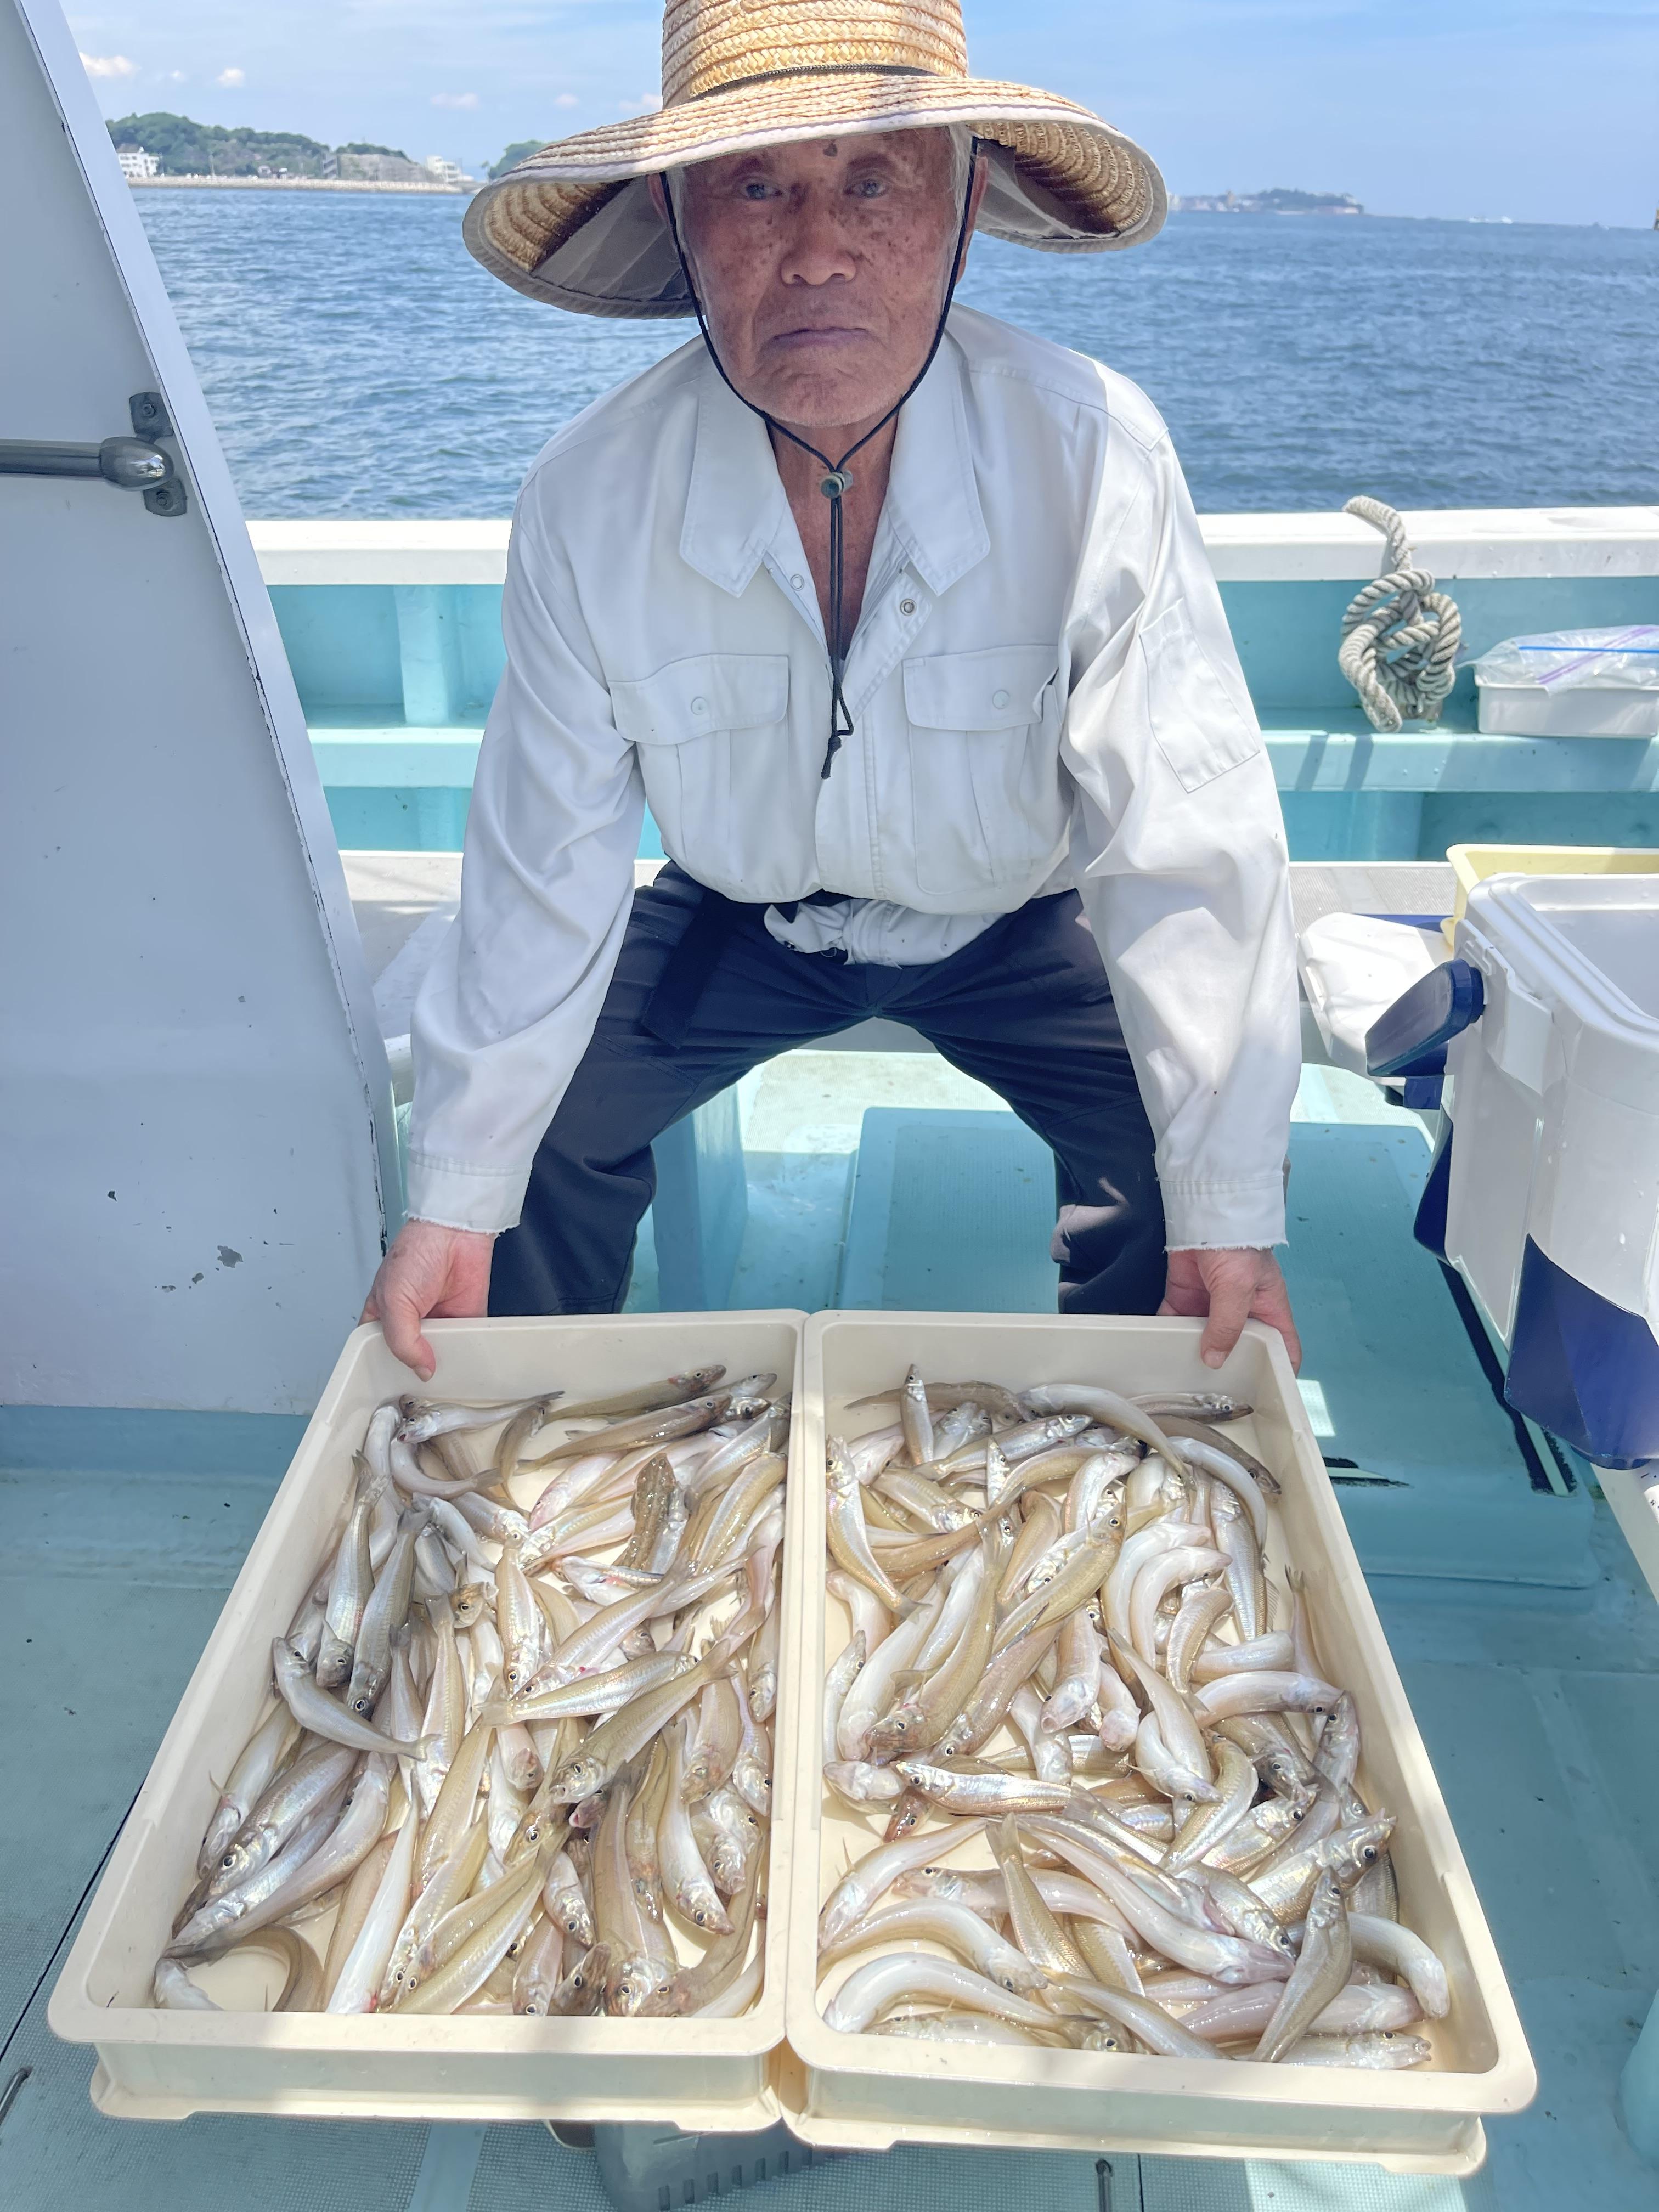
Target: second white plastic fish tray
x=866, y=2092
x=701, y=2073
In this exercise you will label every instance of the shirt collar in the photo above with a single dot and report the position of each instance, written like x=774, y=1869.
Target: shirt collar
x=735, y=503
x=933, y=497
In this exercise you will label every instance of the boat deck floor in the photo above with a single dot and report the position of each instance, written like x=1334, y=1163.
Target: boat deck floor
x=1529, y=1659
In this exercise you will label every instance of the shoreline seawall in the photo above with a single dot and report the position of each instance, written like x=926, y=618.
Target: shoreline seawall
x=293, y=185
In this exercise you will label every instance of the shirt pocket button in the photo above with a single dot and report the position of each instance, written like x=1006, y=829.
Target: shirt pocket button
x=700, y=705
x=998, y=698
x=907, y=606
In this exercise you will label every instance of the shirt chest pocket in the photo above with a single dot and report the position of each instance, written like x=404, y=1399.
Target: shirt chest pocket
x=985, y=788
x=693, y=722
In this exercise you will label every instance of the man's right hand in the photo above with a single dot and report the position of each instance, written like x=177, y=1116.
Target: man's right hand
x=429, y=1270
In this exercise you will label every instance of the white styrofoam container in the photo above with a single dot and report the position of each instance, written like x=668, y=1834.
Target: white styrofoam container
x=1354, y=967
x=1554, y=1093
x=867, y=2092
x=1588, y=710
x=160, y=2065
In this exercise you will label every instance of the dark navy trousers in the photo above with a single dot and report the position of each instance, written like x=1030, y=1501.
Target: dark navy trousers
x=1025, y=1009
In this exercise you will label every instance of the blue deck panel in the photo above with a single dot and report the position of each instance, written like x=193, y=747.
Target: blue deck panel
x=952, y=1212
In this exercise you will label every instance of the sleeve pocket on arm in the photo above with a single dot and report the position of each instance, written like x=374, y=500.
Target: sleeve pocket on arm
x=1200, y=728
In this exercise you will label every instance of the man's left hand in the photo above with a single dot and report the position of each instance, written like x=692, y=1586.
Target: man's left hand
x=1231, y=1288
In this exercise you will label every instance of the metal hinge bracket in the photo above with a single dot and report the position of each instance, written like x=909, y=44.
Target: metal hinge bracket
x=134, y=464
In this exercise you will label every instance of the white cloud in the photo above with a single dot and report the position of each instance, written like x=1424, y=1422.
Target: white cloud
x=177, y=77
x=108, y=66
x=647, y=104
x=567, y=99
x=231, y=78
x=454, y=100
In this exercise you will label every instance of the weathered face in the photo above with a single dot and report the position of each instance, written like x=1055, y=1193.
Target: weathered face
x=822, y=269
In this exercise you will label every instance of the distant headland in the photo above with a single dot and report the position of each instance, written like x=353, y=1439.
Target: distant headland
x=1277, y=202
x=160, y=148
x=174, y=150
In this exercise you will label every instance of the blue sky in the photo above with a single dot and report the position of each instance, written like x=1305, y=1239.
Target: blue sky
x=1541, y=111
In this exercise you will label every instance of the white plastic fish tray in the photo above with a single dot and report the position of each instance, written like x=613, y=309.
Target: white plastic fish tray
x=866, y=2092
x=700, y=2074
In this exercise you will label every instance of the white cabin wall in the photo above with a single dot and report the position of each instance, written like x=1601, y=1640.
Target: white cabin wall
x=195, y=1115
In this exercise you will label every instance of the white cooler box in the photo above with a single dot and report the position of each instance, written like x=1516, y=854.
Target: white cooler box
x=1551, y=1180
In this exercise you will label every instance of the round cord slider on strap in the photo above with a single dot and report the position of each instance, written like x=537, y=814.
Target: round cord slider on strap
x=1400, y=636
x=837, y=482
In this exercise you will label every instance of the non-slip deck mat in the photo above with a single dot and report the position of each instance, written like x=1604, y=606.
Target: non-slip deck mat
x=1394, y=1384
x=952, y=1212
x=120, y=1535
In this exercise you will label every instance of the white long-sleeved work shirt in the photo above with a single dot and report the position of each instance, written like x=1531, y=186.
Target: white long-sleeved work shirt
x=1043, y=692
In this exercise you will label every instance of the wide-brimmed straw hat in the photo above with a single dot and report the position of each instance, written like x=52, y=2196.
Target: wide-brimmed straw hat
x=574, y=224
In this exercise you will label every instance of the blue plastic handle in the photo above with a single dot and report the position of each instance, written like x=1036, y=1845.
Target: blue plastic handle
x=1412, y=1037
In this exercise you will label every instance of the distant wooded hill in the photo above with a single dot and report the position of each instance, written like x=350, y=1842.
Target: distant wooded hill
x=187, y=149
x=520, y=150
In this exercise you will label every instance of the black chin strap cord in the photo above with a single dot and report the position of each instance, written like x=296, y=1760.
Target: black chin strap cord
x=836, y=480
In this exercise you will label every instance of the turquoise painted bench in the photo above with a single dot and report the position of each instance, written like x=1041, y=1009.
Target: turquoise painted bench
x=395, y=678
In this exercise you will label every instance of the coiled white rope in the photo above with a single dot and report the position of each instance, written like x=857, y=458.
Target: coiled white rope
x=1400, y=636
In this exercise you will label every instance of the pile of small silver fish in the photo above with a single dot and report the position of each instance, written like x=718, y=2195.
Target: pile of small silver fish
x=519, y=1746
x=1066, y=1646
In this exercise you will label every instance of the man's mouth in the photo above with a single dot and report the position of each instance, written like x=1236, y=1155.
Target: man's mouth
x=818, y=337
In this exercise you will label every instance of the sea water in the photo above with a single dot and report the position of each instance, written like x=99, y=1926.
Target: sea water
x=358, y=361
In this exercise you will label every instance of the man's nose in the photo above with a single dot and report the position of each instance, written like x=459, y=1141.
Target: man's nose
x=816, y=250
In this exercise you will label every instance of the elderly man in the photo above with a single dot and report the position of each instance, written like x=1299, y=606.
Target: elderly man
x=900, y=620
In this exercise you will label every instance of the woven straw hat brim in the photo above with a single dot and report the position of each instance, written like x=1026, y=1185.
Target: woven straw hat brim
x=572, y=225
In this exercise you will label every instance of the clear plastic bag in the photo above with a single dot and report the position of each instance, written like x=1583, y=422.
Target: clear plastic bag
x=1576, y=659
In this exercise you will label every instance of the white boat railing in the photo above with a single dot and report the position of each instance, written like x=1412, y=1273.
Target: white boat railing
x=1455, y=543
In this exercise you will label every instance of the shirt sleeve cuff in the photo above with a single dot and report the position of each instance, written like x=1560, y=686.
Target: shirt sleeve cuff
x=462, y=1198
x=1224, y=1215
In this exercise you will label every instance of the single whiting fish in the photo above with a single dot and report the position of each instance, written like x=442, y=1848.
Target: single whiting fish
x=1321, y=1970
